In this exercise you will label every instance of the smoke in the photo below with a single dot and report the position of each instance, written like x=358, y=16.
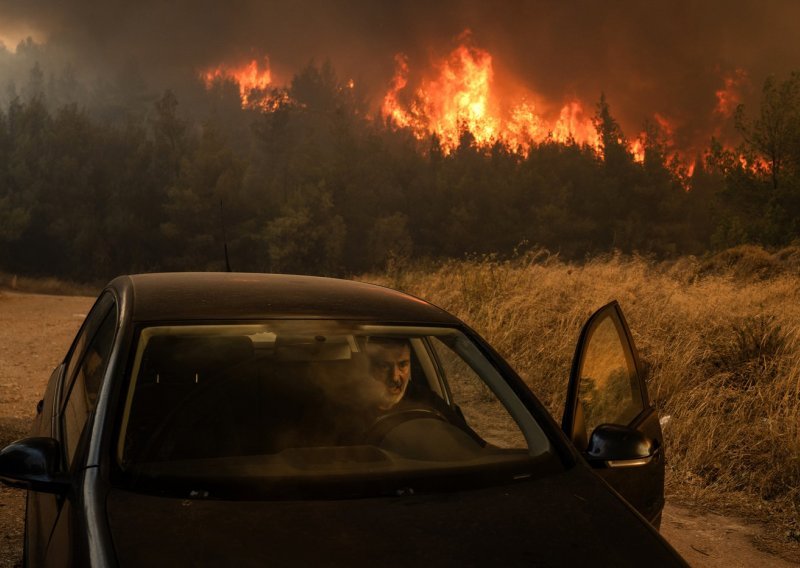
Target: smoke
x=668, y=58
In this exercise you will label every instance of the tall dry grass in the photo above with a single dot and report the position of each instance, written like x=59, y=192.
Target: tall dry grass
x=720, y=340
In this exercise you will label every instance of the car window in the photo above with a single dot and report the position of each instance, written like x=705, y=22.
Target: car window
x=609, y=387
x=90, y=325
x=82, y=396
x=314, y=402
x=481, y=409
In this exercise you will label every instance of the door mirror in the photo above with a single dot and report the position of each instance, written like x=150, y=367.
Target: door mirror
x=34, y=463
x=612, y=445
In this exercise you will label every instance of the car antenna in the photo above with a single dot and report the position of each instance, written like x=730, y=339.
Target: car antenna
x=224, y=237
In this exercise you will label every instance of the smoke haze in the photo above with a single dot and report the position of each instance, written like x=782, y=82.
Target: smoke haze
x=664, y=58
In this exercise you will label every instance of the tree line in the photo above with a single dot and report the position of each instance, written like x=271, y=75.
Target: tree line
x=315, y=184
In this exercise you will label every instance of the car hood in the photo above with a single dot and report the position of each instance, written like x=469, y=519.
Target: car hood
x=570, y=518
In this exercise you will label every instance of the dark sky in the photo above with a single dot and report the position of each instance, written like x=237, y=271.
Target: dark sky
x=667, y=57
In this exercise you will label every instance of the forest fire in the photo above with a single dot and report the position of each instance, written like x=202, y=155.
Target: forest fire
x=459, y=98
x=248, y=76
x=461, y=95
x=729, y=97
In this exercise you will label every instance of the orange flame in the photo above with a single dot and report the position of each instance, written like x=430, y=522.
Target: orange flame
x=458, y=99
x=637, y=148
x=729, y=97
x=573, y=124
x=458, y=95
x=462, y=96
x=249, y=76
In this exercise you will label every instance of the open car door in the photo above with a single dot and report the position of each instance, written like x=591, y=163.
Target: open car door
x=608, y=415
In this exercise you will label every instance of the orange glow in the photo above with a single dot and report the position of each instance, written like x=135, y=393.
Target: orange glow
x=754, y=164
x=457, y=99
x=11, y=35
x=637, y=148
x=573, y=124
x=249, y=76
x=729, y=97
x=523, y=127
x=460, y=94
x=667, y=128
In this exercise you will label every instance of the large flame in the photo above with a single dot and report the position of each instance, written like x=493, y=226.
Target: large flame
x=637, y=148
x=460, y=95
x=249, y=76
x=457, y=99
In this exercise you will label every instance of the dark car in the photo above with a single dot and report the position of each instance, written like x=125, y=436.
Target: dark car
x=248, y=419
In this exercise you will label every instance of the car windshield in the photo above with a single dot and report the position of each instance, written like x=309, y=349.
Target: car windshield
x=317, y=404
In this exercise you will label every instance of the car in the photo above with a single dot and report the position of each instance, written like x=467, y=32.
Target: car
x=209, y=419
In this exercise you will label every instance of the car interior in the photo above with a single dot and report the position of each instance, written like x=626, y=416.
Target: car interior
x=197, y=396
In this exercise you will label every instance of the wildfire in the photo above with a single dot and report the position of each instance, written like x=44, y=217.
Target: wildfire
x=573, y=124
x=457, y=99
x=729, y=97
x=248, y=76
x=637, y=148
x=461, y=96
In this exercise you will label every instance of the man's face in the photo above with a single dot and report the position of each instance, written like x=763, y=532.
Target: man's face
x=390, y=366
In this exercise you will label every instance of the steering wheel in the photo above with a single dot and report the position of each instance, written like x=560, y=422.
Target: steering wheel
x=385, y=423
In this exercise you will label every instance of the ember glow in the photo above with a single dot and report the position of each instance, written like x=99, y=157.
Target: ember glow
x=249, y=76
x=574, y=124
x=637, y=148
x=729, y=96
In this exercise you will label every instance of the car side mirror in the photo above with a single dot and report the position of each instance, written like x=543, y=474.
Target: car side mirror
x=613, y=445
x=34, y=463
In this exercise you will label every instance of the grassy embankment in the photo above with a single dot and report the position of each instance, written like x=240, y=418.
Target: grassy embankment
x=720, y=339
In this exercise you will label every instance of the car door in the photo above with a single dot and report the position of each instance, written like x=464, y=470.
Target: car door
x=44, y=510
x=608, y=413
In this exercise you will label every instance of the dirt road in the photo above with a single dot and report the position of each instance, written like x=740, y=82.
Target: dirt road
x=35, y=333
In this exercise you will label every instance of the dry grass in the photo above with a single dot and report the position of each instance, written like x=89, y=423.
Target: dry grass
x=720, y=339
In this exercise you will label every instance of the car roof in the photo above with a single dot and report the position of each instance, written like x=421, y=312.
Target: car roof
x=197, y=296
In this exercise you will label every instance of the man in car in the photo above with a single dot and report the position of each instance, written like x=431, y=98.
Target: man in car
x=401, y=398
x=385, y=394
x=377, y=385
x=390, y=368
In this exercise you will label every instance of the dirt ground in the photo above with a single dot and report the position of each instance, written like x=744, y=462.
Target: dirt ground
x=35, y=333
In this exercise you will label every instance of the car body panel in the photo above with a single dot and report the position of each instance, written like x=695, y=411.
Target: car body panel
x=233, y=296
x=561, y=519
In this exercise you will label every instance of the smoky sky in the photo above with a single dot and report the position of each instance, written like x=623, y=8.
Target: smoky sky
x=647, y=57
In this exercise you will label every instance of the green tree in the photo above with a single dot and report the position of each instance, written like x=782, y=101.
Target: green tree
x=760, y=198
x=775, y=134
x=170, y=137
x=209, y=184
x=308, y=236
